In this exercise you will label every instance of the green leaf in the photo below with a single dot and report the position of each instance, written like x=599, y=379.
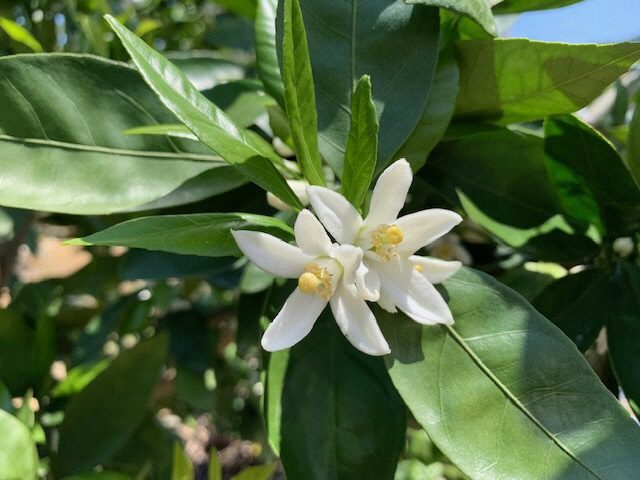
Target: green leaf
x=18, y=455
x=120, y=395
x=362, y=144
x=394, y=43
x=251, y=154
x=436, y=115
x=299, y=95
x=16, y=343
x=259, y=472
x=623, y=331
x=173, y=130
x=99, y=476
x=477, y=10
x=578, y=304
x=205, y=69
x=62, y=148
x=266, y=51
x=215, y=469
x=633, y=146
x=182, y=468
x=340, y=416
x=244, y=101
x=19, y=34
x=592, y=182
x=517, y=80
x=206, y=234
x=516, y=6
x=503, y=377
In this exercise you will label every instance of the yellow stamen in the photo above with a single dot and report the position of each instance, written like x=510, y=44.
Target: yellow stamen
x=385, y=239
x=316, y=281
x=418, y=268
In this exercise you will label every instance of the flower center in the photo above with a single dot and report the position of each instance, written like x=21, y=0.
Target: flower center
x=385, y=238
x=316, y=280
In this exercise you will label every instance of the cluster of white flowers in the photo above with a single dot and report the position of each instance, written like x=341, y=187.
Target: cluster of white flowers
x=372, y=260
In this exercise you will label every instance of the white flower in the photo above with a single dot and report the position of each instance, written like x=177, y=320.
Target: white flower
x=390, y=272
x=326, y=274
x=299, y=188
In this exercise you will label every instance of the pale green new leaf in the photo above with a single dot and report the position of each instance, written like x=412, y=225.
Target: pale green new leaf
x=252, y=155
x=171, y=130
x=215, y=469
x=516, y=6
x=504, y=394
x=19, y=34
x=477, y=10
x=259, y=472
x=205, y=234
x=18, y=455
x=518, y=80
x=362, y=145
x=299, y=94
x=182, y=468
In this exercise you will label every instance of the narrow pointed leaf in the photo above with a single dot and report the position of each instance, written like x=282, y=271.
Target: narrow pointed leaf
x=266, y=50
x=299, y=94
x=205, y=234
x=62, y=117
x=477, y=10
x=362, y=145
x=517, y=80
x=516, y=6
x=182, y=468
x=171, y=130
x=251, y=154
x=504, y=394
x=633, y=147
x=19, y=34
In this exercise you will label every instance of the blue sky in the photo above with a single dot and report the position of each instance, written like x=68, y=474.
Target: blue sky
x=590, y=21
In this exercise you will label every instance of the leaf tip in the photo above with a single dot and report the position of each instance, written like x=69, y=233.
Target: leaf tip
x=79, y=242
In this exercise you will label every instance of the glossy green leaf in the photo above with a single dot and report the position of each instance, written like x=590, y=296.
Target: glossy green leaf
x=299, y=94
x=477, y=10
x=590, y=178
x=517, y=80
x=205, y=69
x=215, y=469
x=18, y=455
x=251, y=154
x=182, y=468
x=206, y=234
x=516, y=6
x=62, y=147
x=244, y=101
x=266, y=51
x=578, y=304
x=19, y=34
x=340, y=416
x=362, y=145
x=623, y=331
x=633, y=146
x=101, y=418
x=436, y=115
x=259, y=472
x=394, y=43
x=504, y=394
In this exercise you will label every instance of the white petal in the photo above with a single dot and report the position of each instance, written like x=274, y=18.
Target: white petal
x=357, y=322
x=368, y=283
x=413, y=294
x=434, y=269
x=349, y=257
x=294, y=322
x=385, y=301
x=422, y=228
x=310, y=235
x=335, y=212
x=272, y=254
x=389, y=194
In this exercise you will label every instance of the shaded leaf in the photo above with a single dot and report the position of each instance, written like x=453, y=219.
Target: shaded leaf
x=477, y=10
x=266, y=51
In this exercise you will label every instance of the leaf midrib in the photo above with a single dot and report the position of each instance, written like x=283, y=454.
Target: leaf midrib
x=505, y=390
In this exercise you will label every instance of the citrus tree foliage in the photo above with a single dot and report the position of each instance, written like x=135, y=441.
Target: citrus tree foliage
x=159, y=166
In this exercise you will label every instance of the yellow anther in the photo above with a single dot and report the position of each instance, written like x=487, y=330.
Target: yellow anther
x=394, y=235
x=385, y=239
x=418, y=268
x=308, y=282
x=316, y=281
